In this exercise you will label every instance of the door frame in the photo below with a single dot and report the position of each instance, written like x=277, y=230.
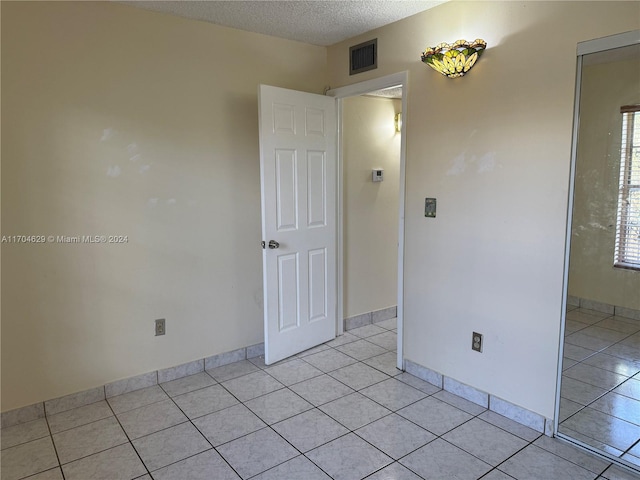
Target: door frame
x=356, y=89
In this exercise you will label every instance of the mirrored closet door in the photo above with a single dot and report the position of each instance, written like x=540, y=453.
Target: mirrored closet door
x=599, y=405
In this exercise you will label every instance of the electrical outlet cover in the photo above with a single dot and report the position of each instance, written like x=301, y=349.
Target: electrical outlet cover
x=430, y=207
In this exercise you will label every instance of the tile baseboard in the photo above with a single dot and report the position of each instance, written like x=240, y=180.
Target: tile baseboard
x=502, y=407
x=604, y=307
x=368, y=318
x=126, y=385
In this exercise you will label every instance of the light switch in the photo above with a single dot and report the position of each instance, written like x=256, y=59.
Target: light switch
x=377, y=174
x=430, y=207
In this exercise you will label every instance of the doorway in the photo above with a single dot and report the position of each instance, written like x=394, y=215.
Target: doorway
x=344, y=94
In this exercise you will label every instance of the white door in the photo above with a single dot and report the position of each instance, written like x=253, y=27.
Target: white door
x=298, y=178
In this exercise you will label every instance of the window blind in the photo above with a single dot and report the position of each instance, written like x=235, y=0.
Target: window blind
x=627, y=249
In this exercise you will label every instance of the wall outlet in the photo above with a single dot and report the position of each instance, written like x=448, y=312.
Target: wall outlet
x=476, y=342
x=160, y=327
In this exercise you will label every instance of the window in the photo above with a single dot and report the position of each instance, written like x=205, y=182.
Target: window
x=627, y=251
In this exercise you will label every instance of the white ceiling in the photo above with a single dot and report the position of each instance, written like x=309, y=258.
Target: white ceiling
x=323, y=22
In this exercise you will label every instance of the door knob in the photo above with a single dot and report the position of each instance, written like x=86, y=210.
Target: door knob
x=273, y=244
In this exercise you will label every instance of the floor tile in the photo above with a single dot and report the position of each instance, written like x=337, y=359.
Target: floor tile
x=619, y=406
x=321, y=390
x=390, y=324
x=393, y=394
x=485, y=441
x=630, y=388
x=418, y=383
x=354, y=411
x=120, y=462
x=568, y=408
x=171, y=445
x=611, y=336
x=605, y=428
x=53, y=474
x=187, y=384
x=614, y=364
x=329, y=360
x=459, y=402
x=252, y=385
x=387, y=340
x=348, y=458
x=137, y=399
x=577, y=353
x=343, y=339
x=620, y=324
x=232, y=370
x=79, y=416
x=509, y=425
x=361, y=349
x=151, y=418
x=367, y=331
x=206, y=400
x=534, y=463
x=434, y=415
x=226, y=425
x=589, y=441
x=586, y=316
x=259, y=361
x=386, y=363
x=358, y=375
x=257, y=452
x=580, y=392
x=573, y=454
x=624, y=351
x=311, y=351
x=277, y=406
x=438, y=460
x=572, y=326
x=395, y=471
x=395, y=435
x=88, y=439
x=23, y=433
x=496, y=474
x=203, y=466
x=583, y=340
x=594, y=376
x=28, y=458
x=616, y=473
x=297, y=468
x=292, y=372
x=310, y=430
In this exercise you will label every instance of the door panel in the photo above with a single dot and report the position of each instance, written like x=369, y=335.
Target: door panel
x=298, y=181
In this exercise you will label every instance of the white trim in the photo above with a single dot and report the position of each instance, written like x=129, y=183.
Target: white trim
x=608, y=43
x=567, y=248
x=396, y=79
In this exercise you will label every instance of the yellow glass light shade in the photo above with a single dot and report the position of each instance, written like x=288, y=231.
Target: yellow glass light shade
x=456, y=59
x=398, y=122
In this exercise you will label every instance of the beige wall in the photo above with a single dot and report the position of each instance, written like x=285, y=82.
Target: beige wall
x=370, y=213
x=493, y=148
x=605, y=88
x=119, y=121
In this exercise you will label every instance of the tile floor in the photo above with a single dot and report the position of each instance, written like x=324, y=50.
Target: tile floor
x=600, y=395
x=341, y=410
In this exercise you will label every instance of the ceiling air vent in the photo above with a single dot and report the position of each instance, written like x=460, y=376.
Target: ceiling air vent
x=363, y=57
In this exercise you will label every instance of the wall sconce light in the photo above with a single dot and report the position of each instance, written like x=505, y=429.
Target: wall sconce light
x=397, y=120
x=456, y=59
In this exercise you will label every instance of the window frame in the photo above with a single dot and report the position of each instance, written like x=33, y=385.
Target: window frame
x=627, y=251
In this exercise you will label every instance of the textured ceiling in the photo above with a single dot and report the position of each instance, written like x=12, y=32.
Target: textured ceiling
x=322, y=22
